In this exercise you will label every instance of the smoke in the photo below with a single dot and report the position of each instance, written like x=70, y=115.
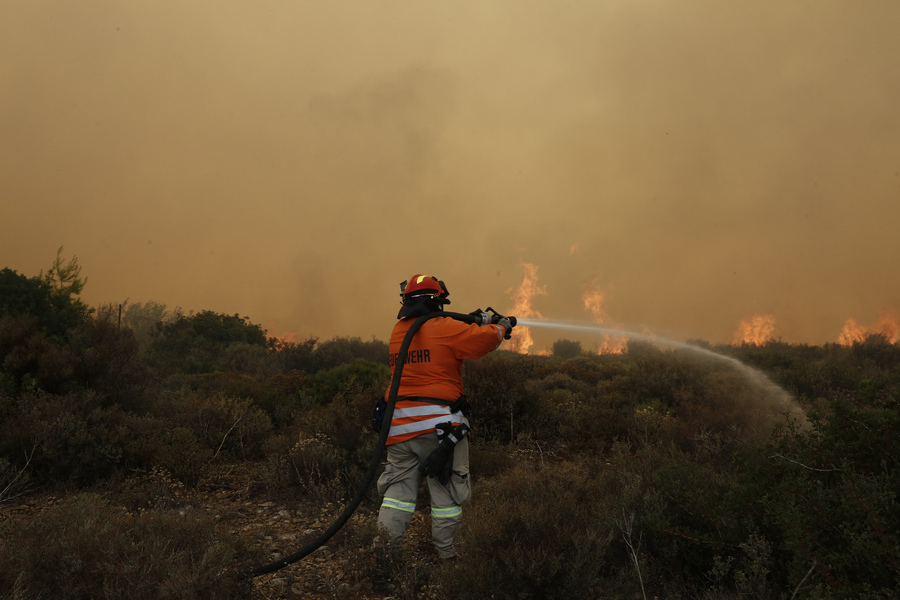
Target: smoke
x=700, y=162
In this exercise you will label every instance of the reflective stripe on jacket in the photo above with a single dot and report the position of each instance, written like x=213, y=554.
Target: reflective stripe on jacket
x=433, y=369
x=412, y=418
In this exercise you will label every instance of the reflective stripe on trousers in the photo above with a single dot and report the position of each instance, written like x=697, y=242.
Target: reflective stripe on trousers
x=446, y=513
x=399, y=505
x=400, y=485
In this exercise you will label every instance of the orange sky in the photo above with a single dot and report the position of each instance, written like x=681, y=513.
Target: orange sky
x=699, y=162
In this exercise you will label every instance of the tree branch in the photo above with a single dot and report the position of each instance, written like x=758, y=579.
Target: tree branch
x=832, y=469
x=805, y=577
x=626, y=526
x=9, y=486
x=225, y=437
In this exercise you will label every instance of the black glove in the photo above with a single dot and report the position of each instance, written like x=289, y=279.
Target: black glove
x=483, y=317
x=507, y=326
x=440, y=462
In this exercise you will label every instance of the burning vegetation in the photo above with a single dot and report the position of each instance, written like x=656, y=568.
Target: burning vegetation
x=755, y=330
x=523, y=308
x=886, y=326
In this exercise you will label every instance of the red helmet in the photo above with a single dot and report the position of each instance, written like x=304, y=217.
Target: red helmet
x=424, y=285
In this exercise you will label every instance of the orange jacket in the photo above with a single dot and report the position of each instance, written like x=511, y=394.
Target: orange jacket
x=433, y=369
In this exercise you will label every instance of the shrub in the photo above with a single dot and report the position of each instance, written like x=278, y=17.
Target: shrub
x=153, y=442
x=200, y=343
x=29, y=359
x=50, y=299
x=70, y=438
x=566, y=348
x=105, y=358
x=328, y=451
x=292, y=356
x=496, y=387
x=310, y=469
x=149, y=489
x=85, y=548
x=325, y=386
x=226, y=425
x=280, y=396
x=223, y=383
x=816, y=502
x=342, y=350
x=533, y=533
x=578, y=416
x=831, y=492
x=14, y=481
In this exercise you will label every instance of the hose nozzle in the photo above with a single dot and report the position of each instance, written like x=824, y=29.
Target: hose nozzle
x=492, y=317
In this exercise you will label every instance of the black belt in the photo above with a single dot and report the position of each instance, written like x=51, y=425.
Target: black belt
x=461, y=404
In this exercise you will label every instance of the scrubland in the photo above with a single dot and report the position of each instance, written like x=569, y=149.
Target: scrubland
x=165, y=464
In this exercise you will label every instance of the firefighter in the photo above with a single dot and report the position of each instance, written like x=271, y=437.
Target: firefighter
x=428, y=434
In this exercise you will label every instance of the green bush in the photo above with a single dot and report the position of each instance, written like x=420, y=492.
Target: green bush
x=202, y=343
x=325, y=454
x=325, y=386
x=227, y=426
x=566, y=348
x=832, y=495
x=106, y=359
x=29, y=359
x=576, y=415
x=50, y=299
x=496, y=387
x=342, y=350
x=310, y=469
x=280, y=396
x=69, y=438
x=85, y=548
x=815, y=504
x=154, y=442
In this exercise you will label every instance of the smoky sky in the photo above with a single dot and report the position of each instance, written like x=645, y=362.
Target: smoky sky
x=698, y=162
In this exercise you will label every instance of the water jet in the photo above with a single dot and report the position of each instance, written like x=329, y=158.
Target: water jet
x=779, y=395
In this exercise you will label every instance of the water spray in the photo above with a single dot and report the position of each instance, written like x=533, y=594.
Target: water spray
x=759, y=378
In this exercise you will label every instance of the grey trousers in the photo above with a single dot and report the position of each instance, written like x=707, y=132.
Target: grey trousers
x=399, y=484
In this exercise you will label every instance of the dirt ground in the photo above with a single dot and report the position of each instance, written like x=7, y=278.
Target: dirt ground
x=343, y=569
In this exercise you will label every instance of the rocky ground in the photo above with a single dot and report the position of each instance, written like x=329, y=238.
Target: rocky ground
x=345, y=568
x=232, y=496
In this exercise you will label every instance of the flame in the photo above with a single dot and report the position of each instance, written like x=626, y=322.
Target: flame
x=755, y=331
x=522, y=341
x=852, y=332
x=281, y=339
x=593, y=301
x=886, y=326
x=593, y=298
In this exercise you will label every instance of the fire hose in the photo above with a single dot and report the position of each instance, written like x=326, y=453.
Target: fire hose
x=478, y=317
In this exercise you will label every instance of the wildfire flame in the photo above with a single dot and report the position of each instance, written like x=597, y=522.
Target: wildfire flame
x=886, y=326
x=593, y=298
x=280, y=339
x=755, y=331
x=522, y=296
